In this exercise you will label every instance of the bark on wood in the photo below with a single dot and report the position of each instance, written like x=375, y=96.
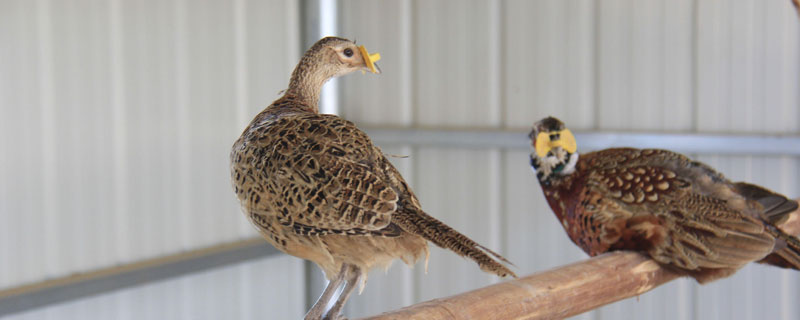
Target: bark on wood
x=558, y=293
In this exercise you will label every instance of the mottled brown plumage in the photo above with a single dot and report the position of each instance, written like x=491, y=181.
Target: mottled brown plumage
x=317, y=188
x=680, y=212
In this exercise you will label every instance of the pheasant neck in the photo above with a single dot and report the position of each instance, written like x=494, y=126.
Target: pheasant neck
x=307, y=80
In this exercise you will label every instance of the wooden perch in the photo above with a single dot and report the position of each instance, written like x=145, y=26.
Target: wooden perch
x=558, y=293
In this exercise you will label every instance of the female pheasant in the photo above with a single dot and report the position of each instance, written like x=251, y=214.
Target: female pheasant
x=680, y=212
x=316, y=187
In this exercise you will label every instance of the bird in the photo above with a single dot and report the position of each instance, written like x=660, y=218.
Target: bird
x=681, y=213
x=316, y=187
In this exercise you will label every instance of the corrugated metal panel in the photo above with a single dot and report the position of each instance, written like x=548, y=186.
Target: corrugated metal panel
x=20, y=193
x=623, y=65
x=385, y=27
x=451, y=71
x=548, y=50
x=118, y=117
x=453, y=185
x=644, y=64
x=264, y=289
x=747, y=67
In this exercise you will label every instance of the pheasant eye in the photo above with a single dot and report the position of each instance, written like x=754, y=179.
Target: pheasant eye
x=348, y=52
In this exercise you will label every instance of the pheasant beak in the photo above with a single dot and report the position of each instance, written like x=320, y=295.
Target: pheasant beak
x=546, y=141
x=370, y=59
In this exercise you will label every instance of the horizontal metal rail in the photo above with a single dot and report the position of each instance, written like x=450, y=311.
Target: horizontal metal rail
x=696, y=143
x=82, y=285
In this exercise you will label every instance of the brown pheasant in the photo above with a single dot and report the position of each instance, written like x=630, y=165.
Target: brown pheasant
x=680, y=212
x=316, y=187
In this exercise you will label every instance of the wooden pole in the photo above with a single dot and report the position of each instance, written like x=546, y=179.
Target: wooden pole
x=557, y=293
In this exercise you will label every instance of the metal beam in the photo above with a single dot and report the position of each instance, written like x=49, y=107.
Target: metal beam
x=82, y=285
x=319, y=19
x=696, y=143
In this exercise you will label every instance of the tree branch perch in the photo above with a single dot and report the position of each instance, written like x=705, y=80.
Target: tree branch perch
x=557, y=293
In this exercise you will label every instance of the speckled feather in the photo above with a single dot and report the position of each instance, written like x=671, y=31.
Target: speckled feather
x=681, y=212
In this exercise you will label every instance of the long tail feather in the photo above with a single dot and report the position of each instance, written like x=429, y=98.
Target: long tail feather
x=433, y=230
x=787, y=251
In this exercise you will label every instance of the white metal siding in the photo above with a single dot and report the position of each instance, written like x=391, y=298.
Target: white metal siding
x=116, y=119
x=678, y=66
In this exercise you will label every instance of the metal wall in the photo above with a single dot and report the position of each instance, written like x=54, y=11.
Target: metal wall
x=648, y=66
x=116, y=119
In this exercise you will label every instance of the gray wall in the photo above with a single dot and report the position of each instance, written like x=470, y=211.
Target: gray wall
x=116, y=121
x=116, y=118
x=645, y=66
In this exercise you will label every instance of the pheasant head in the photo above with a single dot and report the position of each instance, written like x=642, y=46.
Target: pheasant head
x=328, y=58
x=554, y=150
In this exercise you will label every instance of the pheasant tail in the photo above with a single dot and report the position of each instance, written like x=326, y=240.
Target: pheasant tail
x=786, y=253
x=777, y=208
x=433, y=230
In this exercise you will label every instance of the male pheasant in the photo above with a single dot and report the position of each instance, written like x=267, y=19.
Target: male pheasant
x=680, y=212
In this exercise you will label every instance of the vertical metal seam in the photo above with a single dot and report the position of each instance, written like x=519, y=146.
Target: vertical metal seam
x=662, y=65
x=240, y=60
x=241, y=75
x=182, y=123
x=407, y=73
x=596, y=66
x=46, y=87
x=120, y=147
x=494, y=63
x=694, y=68
x=495, y=119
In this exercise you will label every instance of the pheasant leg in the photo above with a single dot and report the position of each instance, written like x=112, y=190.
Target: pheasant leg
x=353, y=279
x=318, y=310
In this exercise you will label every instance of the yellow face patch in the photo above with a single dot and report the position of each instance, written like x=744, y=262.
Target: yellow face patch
x=544, y=144
x=369, y=59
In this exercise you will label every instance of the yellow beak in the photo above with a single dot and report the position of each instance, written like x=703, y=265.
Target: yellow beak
x=566, y=140
x=370, y=59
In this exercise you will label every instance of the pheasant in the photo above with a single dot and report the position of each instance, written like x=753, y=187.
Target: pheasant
x=682, y=213
x=316, y=187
